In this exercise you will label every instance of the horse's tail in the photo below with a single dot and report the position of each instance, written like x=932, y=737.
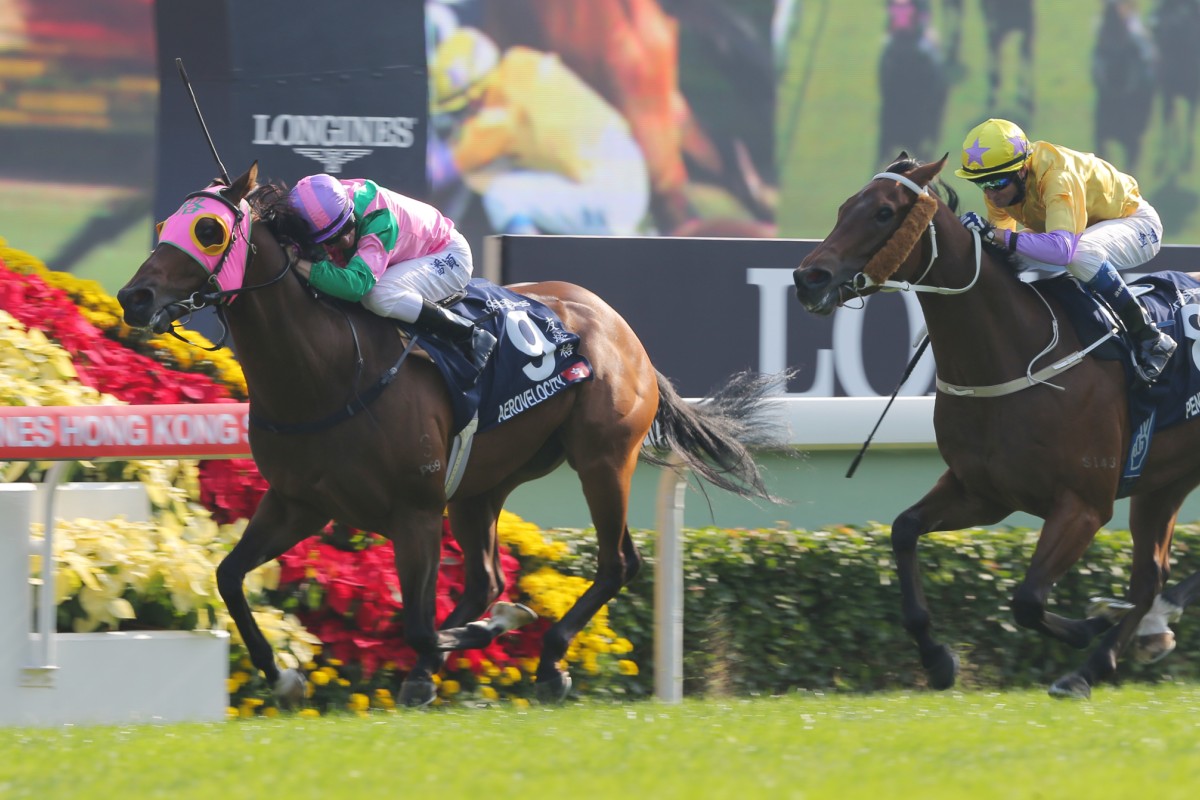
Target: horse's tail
x=714, y=436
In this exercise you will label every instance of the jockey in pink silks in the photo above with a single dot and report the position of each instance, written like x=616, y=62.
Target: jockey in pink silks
x=395, y=255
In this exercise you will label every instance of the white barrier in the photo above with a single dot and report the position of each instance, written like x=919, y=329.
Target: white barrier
x=49, y=678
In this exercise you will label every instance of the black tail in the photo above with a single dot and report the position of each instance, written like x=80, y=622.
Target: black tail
x=713, y=437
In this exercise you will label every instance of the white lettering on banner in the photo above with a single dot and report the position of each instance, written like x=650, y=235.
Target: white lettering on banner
x=196, y=429
x=32, y=431
x=530, y=397
x=93, y=430
x=845, y=359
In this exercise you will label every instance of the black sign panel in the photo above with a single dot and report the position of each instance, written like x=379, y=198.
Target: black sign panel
x=275, y=87
x=706, y=308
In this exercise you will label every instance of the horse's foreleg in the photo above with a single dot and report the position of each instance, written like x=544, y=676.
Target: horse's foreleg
x=277, y=526
x=946, y=507
x=418, y=554
x=1066, y=536
x=1152, y=523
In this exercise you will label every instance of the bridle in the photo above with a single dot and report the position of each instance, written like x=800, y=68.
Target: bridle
x=218, y=297
x=860, y=281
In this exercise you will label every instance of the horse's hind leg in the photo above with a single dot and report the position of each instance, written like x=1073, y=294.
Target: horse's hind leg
x=946, y=507
x=1066, y=536
x=277, y=526
x=606, y=488
x=1152, y=523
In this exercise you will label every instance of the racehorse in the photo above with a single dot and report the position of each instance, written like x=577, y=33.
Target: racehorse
x=1176, y=28
x=1010, y=439
x=382, y=469
x=1124, y=73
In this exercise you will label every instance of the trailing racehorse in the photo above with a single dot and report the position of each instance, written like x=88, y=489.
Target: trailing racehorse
x=1025, y=420
x=347, y=424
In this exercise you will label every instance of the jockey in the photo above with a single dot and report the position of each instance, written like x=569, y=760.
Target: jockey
x=391, y=252
x=1076, y=212
x=543, y=150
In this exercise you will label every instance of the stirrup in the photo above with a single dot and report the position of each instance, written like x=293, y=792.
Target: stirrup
x=1153, y=355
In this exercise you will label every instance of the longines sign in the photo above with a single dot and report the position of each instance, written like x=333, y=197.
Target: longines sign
x=333, y=140
x=706, y=308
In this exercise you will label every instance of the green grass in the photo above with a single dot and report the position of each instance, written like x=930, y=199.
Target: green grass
x=1127, y=742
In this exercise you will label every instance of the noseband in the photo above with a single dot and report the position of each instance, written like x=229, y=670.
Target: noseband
x=878, y=271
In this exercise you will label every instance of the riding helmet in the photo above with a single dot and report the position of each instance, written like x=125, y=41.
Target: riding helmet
x=992, y=148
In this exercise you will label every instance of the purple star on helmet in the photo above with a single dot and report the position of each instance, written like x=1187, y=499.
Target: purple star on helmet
x=1020, y=146
x=975, y=153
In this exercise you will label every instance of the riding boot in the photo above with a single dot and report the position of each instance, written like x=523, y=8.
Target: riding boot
x=1154, y=348
x=476, y=343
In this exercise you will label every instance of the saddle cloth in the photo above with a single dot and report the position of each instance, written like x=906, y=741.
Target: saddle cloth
x=1172, y=300
x=535, y=356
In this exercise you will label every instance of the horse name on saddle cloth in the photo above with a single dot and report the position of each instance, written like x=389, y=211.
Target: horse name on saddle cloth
x=535, y=356
x=1172, y=300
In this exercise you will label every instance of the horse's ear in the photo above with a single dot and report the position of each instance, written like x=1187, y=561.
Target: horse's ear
x=244, y=183
x=904, y=156
x=925, y=173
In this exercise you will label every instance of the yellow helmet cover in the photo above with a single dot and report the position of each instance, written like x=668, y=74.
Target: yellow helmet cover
x=460, y=69
x=993, y=147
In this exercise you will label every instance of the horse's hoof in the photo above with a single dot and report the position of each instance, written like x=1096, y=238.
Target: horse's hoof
x=942, y=669
x=417, y=693
x=554, y=690
x=1110, y=608
x=510, y=616
x=1071, y=687
x=289, y=688
x=1154, y=647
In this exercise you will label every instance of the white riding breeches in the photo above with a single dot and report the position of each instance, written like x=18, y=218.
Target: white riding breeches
x=1125, y=243
x=433, y=277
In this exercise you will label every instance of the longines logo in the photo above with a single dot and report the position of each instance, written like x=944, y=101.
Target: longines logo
x=333, y=140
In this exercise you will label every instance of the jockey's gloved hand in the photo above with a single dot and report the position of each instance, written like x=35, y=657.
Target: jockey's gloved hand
x=973, y=222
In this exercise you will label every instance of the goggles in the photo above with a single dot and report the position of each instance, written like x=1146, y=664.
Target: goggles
x=996, y=184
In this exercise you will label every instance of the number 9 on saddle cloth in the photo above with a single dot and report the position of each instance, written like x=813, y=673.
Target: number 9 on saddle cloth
x=535, y=357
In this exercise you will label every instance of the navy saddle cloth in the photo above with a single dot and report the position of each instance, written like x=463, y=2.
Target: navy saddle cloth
x=535, y=357
x=1173, y=301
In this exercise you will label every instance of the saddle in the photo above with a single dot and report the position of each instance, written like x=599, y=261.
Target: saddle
x=1172, y=299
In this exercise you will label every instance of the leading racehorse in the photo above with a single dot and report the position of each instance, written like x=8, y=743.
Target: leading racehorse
x=1024, y=421
x=335, y=443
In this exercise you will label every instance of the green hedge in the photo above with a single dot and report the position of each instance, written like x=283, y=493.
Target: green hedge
x=769, y=611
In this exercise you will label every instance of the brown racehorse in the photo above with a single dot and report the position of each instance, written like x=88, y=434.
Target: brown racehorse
x=1056, y=454
x=382, y=469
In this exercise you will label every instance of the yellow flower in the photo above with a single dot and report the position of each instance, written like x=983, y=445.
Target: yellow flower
x=488, y=693
x=319, y=677
x=231, y=713
x=450, y=688
x=309, y=713
x=358, y=702
x=627, y=667
x=520, y=702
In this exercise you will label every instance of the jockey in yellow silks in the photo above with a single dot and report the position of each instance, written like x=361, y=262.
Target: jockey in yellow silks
x=1057, y=209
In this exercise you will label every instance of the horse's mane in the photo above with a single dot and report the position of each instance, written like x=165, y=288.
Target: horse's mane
x=271, y=207
x=950, y=197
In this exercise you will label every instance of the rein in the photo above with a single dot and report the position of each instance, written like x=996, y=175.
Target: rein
x=885, y=263
x=884, y=266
